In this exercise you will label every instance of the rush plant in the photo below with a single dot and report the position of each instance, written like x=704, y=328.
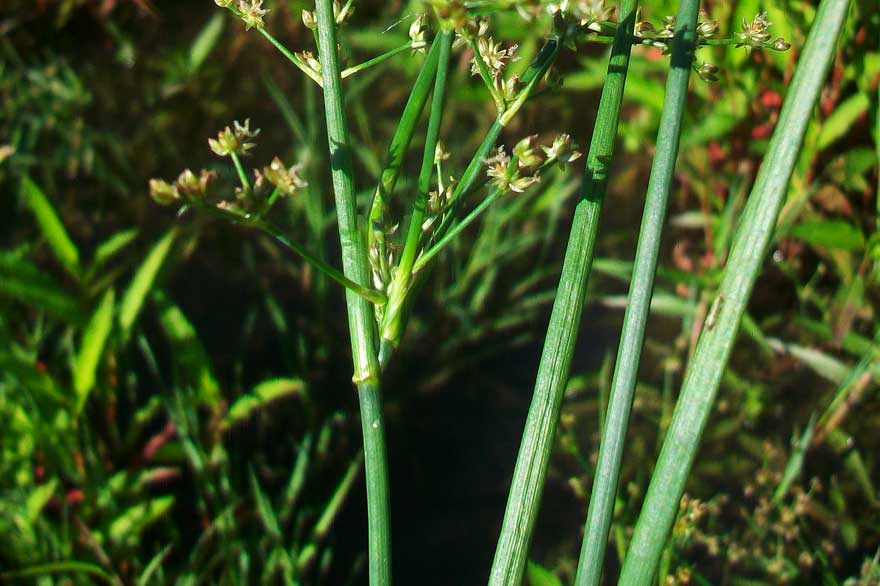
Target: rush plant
x=386, y=255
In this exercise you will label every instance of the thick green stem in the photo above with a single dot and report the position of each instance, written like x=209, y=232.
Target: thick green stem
x=397, y=294
x=747, y=256
x=534, y=454
x=638, y=305
x=360, y=315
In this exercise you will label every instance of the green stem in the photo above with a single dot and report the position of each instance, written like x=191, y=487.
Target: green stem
x=391, y=324
x=397, y=149
x=360, y=319
x=292, y=57
x=638, y=306
x=747, y=256
x=375, y=60
x=239, y=168
x=247, y=220
x=456, y=230
x=537, y=440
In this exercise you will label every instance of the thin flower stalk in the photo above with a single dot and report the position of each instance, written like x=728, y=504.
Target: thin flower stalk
x=716, y=341
x=602, y=496
x=392, y=321
x=360, y=314
x=397, y=148
x=348, y=72
x=527, y=484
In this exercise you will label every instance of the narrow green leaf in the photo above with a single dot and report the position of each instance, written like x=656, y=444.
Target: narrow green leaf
x=191, y=363
x=523, y=500
x=113, y=246
x=38, y=498
x=262, y=395
x=50, y=224
x=94, y=339
x=719, y=332
x=71, y=567
x=206, y=41
x=538, y=575
x=264, y=509
x=142, y=282
x=842, y=119
x=127, y=527
x=22, y=281
x=829, y=234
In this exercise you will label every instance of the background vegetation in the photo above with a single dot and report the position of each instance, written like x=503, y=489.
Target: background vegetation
x=175, y=393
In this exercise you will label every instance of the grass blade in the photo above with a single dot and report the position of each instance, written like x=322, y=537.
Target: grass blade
x=745, y=262
x=133, y=299
x=534, y=454
x=50, y=224
x=94, y=339
x=638, y=305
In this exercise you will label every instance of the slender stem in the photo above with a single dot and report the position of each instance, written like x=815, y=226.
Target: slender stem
x=531, y=465
x=397, y=149
x=375, y=60
x=292, y=57
x=456, y=230
x=249, y=221
x=747, y=256
x=360, y=318
x=239, y=168
x=397, y=294
x=638, y=306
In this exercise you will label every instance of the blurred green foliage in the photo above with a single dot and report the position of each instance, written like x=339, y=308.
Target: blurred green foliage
x=175, y=411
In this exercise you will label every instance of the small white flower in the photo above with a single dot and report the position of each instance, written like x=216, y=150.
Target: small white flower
x=286, y=179
x=563, y=150
x=252, y=13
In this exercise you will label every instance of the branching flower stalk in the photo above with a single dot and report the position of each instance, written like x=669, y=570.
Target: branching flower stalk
x=602, y=496
x=360, y=313
x=743, y=266
x=392, y=319
x=531, y=467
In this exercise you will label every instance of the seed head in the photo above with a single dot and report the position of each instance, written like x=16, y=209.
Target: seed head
x=163, y=193
x=494, y=56
x=286, y=179
x=526, y=153
x=707, y=71
x=252, y=13
x=309, y=60
x=440, y=153
x=224, y=3
x=192, y=186
x=417, y=32
x=342, y=13
x=236, y=141
x=707, y=27
x=781, y=44
x=754, y=33
x=563, y=150
x=310, y=20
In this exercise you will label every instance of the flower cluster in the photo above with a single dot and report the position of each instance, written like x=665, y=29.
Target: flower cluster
x=286, y=179
x=234, y=140
x=523, y=170
x=187, y=189
x=755, y=35
x=251, y=200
